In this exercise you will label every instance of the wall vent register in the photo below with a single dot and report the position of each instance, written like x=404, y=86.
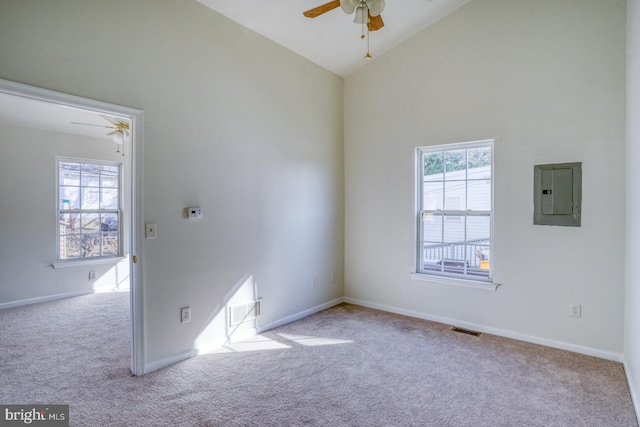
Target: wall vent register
x=244, y=313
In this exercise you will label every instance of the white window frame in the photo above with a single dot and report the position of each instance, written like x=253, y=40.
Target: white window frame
x=91, y=259
x=463, y=278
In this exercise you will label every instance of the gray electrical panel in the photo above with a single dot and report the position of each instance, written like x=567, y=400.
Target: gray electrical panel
x=557, y=194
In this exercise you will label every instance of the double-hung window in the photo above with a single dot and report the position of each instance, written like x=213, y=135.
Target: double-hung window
x=88, y=213
x=454, y=210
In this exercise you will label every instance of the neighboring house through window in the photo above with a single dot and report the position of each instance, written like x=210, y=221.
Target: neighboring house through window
x=455, y=210
x=88, y=212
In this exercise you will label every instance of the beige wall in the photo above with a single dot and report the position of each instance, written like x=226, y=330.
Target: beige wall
x=28, y=212
x=632, y=323
x=253, y=134
x=546, y=79
x=233, y=123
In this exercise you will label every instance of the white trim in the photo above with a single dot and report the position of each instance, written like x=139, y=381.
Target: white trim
x=136, y=245
x=458, y=145
x=212, y=346
x=300, y=315
x=136, y=184
x=632, y=388
x=419, y=195
x=80, y=211
x=88, y=261
x=47, y=298
x=168, y=361
x=589, y=351
x=455, y=281
x=187, y=354
x=64, y=99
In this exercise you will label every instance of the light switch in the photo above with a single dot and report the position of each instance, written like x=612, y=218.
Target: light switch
x=150, y=230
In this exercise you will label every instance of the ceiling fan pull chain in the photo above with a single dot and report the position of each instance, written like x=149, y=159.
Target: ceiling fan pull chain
x=367, y=12
x=368, y=55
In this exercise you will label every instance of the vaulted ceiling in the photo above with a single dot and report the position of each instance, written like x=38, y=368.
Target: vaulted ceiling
x=332, y=40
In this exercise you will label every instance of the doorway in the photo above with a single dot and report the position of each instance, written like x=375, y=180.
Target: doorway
x=22, y=106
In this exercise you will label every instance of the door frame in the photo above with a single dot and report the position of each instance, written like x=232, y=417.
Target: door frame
x=135, y=213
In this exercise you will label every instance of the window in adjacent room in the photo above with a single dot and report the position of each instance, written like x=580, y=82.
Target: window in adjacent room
x=454, y=210
x=88, y=213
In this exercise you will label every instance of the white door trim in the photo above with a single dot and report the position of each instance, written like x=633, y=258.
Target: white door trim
x=135, y=212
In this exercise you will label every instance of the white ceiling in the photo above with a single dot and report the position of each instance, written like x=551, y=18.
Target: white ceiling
x=33, y=113
x=332, y=40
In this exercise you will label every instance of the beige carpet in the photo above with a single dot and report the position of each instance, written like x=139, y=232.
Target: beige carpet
x=346, y=366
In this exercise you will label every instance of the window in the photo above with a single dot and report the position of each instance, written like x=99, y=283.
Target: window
x=454, y=210
x=88, y=213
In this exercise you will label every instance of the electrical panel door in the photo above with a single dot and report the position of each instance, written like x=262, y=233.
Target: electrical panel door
x=557, y=194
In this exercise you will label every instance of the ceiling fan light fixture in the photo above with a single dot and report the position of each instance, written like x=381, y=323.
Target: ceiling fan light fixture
x=362, y=15
x=375, y=7
x=366, y=12
x=118, y=138
x=348, y=6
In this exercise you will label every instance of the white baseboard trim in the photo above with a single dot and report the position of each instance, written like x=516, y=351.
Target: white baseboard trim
x=187, y=354
x=212, y=346
x=588, y=351
x=632, y=388
x=300, y=315
x=168, y=361
x=47, y=298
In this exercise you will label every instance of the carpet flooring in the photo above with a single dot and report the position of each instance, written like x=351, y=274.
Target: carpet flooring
x=345, y=366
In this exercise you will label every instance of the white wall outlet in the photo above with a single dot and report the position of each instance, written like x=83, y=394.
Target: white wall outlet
x=364, y=276
x=150, y=230
x=333, y=277
x=92, y=275
x=314, y=282
x=185, y=315
x=575, y=310
x=194, y=212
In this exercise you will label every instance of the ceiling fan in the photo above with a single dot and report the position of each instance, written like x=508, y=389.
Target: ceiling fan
x=121, y=131
x=367, y=11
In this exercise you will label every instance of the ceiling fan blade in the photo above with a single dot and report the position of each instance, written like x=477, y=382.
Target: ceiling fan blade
x=317, y=11
x=109, y=119
x=375, y=22
x=89, y=124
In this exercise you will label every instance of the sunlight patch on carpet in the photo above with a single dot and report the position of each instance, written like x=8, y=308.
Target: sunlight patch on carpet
x=313, y=341
x=256, y=343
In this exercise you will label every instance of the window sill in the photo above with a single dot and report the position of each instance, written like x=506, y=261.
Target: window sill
x=453, y=281
x=97, y=261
